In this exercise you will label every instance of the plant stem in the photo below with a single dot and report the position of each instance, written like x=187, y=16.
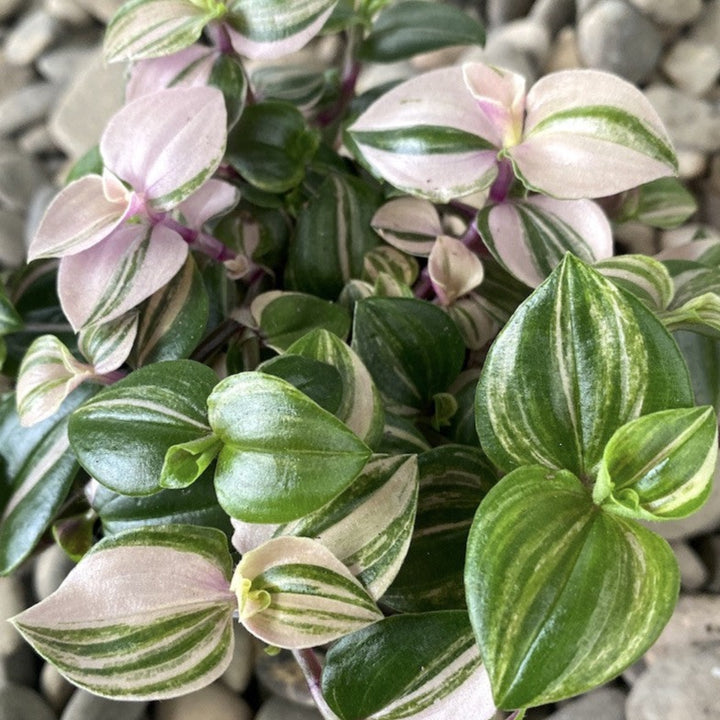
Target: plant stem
x=216, y=339
x=201, y=241
x=310, y=665
x=503, y=182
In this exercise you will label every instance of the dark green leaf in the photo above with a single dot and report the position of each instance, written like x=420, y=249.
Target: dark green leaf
x=91, y=163
x=228, y=76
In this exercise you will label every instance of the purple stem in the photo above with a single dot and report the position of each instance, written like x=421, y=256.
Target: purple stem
x=503, y=182
x=310, y=665
x=220, y=37
x=201, y=241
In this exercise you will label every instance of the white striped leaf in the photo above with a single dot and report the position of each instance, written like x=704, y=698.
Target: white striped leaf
x=388, y=286
x=48, y=374
x=392, y=262
x=401, y=435
x=500, y=292
x=268, y=29
x=428, y=137
x=552, y=615
x=411, y=348
x=530, y=237
x=283, y=455
x=454, y=269
x=122, y=435
x=408, y=224
x=145, y=615
x=476, y=325
x=151, y=28
x=462, y=428
x=605, y=360
x=453, y=481
x=699, y=247
x=432, y=670
x=663, y=203
x=301, y=86
x=173, y=320
x=660, y=466
x=692, y=280
x=39, y=468
x=294, y=593
x=107, y=345
x=646, y=278
x=589, y=134
x=360, y=406
x=700, y=314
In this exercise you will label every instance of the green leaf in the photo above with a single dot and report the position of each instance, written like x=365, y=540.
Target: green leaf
x=332, y=236
x=646, y=278
x=285, y=317
x=386, y=260
x=145, y=615
x=663, y=203
x=413, y=27
x=453, y=482
x=271, y=146
x=284, y=456
x=700, y=314
x=430, y=662
x=10, y=320
x=562, y=595
x=186, y=462
x=91, y=163
x=122, y=435
x=702, y=355
x=173, y=320
x=409, y=224
x=40, y=468
x=401, y=435
x=108, y=345
x=606, y=360
x=228, y=76
x=360, y=406
x=411, y=348
x=660, y=466
x=294, y=593
x=462, y=426
x=300, y=86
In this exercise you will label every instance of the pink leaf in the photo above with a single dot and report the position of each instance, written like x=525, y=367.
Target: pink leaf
x=165, y=145
x=104, y=282
x=215, y=197
x=79, y=217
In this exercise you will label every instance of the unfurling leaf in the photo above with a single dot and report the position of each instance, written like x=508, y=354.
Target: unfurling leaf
x=408, y=224
x=454, y=269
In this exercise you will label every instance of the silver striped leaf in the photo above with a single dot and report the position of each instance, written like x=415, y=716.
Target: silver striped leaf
x=409, y=224
x=646, y=278
x=390, y=261
x=146, y=615
x=107, y=345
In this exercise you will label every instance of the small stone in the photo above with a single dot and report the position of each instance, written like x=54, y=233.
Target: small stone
x=12, y=77
x=91, y=99
x=683, y=685
x=238, y=673
x=19, y=176
x=693, y=571
x=709, y=204
x=12, y=602
x=26, y=106
x=691, y=164
x=636, y=237
x=553, y=14
x=68, y=12
x=615, y=37
x=55, y=688
x=582, y=6
x=706, y=29
x=711, y=551
x=8, y=8
x=278, y=709
x=506, y=55
x=376, y=74
x=564, y=53
x=682, y=236
x=525, y=35
x=12, y=255
x=693, y=124
x=33, y=34
x=86, y=706
x=103, y=10
x=670, y=12
x=498, y=12
x=605, y=703
x=37, y=141
x=64, y=63
x=41, y=199
x=21, y=703
x=51, y=568
x=692, y=66
x=213, y=702
x=281, y=675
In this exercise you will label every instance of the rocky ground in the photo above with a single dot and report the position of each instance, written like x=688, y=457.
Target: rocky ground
x=55, y=97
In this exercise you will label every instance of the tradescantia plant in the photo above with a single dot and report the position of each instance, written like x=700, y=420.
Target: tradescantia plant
x=360, y=372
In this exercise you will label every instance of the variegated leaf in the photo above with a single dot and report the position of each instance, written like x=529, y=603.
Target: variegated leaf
x=392, y=262
x=409, y=224
x=660, y=466
x=360, y=407
x=268, y=29
x=146, y=615
x=401, y=435
x=454, y=269
x=606, y=360
x=107, y=345
x=700, y=314
x=646, y=278
x=702, y=249
x=432, y=670
x=186, y=462
x=500, y=293
x=10, y=320
x=552, y=616
x=589, y=134
x=48, y=374
x=301, y=86
x=428, y=137
x=151, y=28
x=388, y=286
x=663, y=203
x=294, y=593
x=476, y=325
x=530, y=237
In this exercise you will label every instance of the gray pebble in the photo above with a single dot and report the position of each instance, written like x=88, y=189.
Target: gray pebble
x=68, y=11
x=706, y=29
x=692, y=123
x=563, y=53
x=553, y=14
x=683, y=685
x=51, y=568
x=103, y=10
x=12, y=255
x=582, y=6
x=615, y=37
x=670, y=12
x=8, y=8
x=64, y=63
x=55, y=688
x=605, y=703
x=501, y=11
x=33, y=34
x=26, y=106
x=214, y=702
x=39, y=203
x=86, y=706
x=692, y=66
x=281, y=675
x=19, y=176
x=21, y=703
x=238, y=674
x=278, y=709
x=525, y=35
x=711, y=549
x=13, y=77
x=36, y=140
x=693, y=571
x=12, y=602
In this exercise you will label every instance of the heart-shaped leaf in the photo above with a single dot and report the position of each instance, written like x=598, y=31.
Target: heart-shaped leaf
x=562, y=595
x=283, y=455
